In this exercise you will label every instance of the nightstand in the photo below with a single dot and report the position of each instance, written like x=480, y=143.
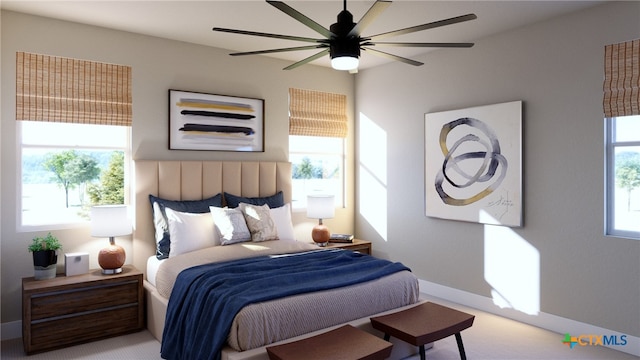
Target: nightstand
x=363, y=246
x=69, y=310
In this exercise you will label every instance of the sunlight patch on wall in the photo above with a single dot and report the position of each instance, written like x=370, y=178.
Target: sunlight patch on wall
x=512, y=268
x=373, y=202
x=372, y=181
x=373, y=149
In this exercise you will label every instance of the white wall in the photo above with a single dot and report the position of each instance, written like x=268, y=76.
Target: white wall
x=556, y=69
x=158, y=65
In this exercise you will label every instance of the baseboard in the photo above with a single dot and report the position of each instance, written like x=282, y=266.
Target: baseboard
x=11, y=330
x=543, y=320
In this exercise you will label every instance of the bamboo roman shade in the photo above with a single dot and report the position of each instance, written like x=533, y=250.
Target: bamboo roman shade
x=58, y=89
x=316, y=113
x=622, y=79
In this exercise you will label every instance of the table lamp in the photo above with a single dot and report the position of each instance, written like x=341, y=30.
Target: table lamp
x=110, y=221
x=320, y=207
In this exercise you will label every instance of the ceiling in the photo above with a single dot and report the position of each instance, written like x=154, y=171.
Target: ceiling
x=191, y=21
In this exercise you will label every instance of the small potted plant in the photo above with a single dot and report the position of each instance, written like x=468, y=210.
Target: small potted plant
x=45, y=256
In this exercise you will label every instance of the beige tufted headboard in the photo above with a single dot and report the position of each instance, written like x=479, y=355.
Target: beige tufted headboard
x=195, y=180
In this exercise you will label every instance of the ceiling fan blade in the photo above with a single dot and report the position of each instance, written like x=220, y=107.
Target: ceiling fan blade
x=374, y=11
x=435, y=24
x=307, y=60
x=302, y=18
x=393, y=57
x=442, y=45
x=258, y=52
x=277, y=36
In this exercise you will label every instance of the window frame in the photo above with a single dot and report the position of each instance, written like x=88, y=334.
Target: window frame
x=610, y=180
x=20, y=226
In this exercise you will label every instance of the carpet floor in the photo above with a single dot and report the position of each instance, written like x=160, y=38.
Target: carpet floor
x=491, y=337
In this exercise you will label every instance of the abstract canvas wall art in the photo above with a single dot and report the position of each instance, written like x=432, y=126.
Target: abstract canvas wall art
x=473, y=164
x=199, y=121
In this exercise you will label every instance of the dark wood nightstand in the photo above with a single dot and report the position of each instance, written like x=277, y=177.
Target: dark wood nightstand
x=363, y=246
x=69, y=310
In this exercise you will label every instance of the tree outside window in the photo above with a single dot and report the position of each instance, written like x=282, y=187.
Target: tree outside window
x=628, y=174
x=71, y=169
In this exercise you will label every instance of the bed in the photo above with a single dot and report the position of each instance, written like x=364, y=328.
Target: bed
x=268, y=322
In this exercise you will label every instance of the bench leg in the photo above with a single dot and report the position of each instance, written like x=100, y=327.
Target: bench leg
x=463, y=356
x=421, y=348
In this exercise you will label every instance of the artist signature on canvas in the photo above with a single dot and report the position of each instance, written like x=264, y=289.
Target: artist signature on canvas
x=501, y=205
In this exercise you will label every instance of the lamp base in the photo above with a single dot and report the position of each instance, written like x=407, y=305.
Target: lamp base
x=111, y=271
x=320, y=235
x=111, y=259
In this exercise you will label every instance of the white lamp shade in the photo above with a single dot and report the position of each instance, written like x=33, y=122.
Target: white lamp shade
x=345, y=63
x=320, y=206
x=110, y=220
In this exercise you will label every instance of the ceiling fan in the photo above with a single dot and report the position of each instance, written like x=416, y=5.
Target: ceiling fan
x=343, y=40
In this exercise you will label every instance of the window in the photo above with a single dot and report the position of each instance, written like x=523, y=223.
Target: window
x=621, y=105
x=66, y=168
x=74, y=121
x=317, y=167
x=317, y=131
x=623, y=176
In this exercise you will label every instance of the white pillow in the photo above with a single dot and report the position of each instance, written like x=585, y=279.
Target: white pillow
x=259, y=222
x=190, y=231
x=230, y=225
x=282, y=218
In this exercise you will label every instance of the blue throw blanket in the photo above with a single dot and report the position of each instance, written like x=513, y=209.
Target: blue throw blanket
x=206, y=298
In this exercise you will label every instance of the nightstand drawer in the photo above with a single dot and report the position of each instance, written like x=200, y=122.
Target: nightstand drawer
x=365, y=248
x=81, y=300
x=57, y=332
x=362, y=246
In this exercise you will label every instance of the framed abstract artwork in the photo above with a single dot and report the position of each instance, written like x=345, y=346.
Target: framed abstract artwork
x=473, y=164
x=199, y=121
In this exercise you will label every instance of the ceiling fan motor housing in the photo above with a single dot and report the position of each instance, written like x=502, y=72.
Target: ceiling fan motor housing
x=341, y=44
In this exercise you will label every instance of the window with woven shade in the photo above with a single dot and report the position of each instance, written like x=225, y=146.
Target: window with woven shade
x=74, y=127
x=621, y=107
x=318, y=127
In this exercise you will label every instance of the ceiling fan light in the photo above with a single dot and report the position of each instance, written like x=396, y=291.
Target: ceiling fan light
x=345, y=63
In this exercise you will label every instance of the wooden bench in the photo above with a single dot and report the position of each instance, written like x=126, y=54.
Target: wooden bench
x=424, y=324
x=343, y=343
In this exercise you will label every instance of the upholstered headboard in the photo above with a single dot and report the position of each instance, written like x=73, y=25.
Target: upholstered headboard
x=195, y=180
